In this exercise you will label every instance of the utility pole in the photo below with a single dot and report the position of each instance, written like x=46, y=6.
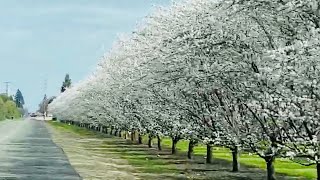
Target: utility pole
x=45, y=84
x=7, y=87
x=44, y=99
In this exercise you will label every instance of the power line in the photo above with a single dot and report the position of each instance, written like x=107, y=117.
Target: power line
x=45, y=86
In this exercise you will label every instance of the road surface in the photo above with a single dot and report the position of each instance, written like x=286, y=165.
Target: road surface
x=27, y=152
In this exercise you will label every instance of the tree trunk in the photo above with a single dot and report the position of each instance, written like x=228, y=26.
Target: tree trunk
x=125, y=134
x=140, y=139
x=209, y=153
x=318, y=170
x=120, y=133
x=159, y=143
x=106, y=130
x=132, y=136
x=235, y=156
x=270, y=168
x=111, y=131
x=190, y=148
x=150, y=141
x=115, y=132
x=174, y=145
x=101, y=129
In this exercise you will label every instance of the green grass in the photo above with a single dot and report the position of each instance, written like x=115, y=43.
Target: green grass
x=147, y=164
x=283, y=166
x=75, y=129
x=140, y=157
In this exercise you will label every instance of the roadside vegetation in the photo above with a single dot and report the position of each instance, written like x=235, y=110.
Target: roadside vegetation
x=8, y=108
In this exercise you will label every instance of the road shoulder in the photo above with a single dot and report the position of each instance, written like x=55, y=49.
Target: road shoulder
x=87, y=155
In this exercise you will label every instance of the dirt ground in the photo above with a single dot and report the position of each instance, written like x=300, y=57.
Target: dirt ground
x=88, y=160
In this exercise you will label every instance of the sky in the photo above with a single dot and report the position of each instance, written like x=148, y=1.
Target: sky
x=42, y=40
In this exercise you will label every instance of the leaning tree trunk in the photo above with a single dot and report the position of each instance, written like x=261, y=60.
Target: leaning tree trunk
x=150, y=141
x=318, y=170
x=139, y=138
x=159, y=143
x=190, y=148
x=174, y=145
x=235, y=156
x=209, y=153
x=270, y=168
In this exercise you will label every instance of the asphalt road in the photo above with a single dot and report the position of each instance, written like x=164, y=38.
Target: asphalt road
x=28, y=153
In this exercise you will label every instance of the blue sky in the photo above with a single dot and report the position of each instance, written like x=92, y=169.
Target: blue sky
x=45, y=39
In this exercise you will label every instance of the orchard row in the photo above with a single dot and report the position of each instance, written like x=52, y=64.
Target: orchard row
x=239, y=74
